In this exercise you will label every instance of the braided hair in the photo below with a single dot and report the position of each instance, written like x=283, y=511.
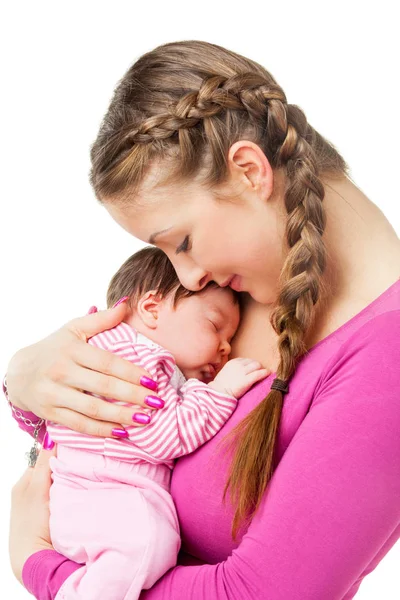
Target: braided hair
x=183, y=105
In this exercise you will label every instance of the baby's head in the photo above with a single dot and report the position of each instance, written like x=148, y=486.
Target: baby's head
x=196, y=327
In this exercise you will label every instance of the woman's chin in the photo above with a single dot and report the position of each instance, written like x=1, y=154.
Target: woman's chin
x=262, y=296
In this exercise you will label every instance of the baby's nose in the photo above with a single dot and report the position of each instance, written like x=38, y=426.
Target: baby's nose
x=225, y=348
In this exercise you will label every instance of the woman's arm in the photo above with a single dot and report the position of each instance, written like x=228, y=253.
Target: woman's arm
x=332, y=510
x=53, y=568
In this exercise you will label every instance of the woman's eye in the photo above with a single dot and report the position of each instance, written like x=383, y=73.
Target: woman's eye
x=184, y=247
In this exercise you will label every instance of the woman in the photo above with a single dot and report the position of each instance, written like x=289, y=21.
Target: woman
x=200, y=154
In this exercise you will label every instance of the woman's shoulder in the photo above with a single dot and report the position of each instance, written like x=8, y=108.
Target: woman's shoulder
x=378, y=334
x=365, y=366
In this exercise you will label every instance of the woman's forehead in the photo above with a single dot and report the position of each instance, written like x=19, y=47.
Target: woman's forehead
x=184, y=193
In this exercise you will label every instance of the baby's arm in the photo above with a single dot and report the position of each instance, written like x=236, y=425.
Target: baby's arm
x=237, y=376
x=195, y=413
x=203, y=409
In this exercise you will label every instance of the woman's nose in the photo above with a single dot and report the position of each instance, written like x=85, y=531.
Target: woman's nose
x=194, y=279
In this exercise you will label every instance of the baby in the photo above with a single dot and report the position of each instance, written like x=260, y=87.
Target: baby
x=110, y=505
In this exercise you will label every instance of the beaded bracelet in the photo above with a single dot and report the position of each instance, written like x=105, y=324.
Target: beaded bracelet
x=33, y=452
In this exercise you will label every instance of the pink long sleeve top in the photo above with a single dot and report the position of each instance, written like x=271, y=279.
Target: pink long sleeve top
x=332, y=508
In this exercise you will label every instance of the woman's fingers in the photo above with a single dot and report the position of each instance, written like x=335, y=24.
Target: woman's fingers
x=41, y=472
x=103, y=363
x=87, y=326
x=95, y=427
x=91, y=415
x=108, y=387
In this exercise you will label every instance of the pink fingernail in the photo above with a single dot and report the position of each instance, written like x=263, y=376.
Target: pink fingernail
x=120, y=301
x=141, y=418
x=120, y=432
x=154, y=402
x=92, y=309
x=48, y=443
x=148, y=383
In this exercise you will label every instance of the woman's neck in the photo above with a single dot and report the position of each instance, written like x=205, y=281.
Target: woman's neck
x=363, y=260
x=363, y=249
x=363, y=256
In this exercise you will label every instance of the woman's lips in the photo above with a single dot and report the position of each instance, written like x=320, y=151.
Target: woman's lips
x=235, y=283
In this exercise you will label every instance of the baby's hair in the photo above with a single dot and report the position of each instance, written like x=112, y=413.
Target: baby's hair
x=150, y=269
x=182, y=106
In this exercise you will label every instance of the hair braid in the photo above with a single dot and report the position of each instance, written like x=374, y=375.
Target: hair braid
x=184, y=104
x=300, y=288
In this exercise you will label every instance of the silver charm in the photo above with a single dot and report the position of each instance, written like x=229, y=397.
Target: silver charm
x=34, y=452
x=32, y=455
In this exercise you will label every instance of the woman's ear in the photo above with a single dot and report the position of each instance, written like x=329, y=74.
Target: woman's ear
x=247, y=163
x=148, y=308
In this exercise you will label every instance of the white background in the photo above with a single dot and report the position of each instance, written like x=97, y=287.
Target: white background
x=60, y=63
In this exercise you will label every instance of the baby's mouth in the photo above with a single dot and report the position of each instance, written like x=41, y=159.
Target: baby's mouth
x=207, y=378
x=212, y=369
x=208, y=373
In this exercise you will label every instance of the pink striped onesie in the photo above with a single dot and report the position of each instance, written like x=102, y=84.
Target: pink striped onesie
x=110, y=505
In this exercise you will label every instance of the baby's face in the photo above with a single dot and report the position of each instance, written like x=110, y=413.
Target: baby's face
x=199, y=331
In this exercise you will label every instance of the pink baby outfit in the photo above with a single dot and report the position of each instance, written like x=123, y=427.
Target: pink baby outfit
x=110, y=506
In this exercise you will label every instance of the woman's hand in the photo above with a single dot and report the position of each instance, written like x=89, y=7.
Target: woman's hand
x=50, y=378
x=30, y=516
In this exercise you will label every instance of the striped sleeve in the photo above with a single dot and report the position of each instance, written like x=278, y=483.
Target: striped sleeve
x=189, y=417
x=200, y=414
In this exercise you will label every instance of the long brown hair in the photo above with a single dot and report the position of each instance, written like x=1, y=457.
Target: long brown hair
x=184, y=104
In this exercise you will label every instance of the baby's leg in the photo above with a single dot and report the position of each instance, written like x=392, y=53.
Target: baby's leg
x=123, y=541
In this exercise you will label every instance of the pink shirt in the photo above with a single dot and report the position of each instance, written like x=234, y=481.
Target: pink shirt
x=332, y=509
x=193, y=412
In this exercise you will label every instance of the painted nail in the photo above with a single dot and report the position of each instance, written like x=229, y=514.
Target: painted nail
x=120, y=301
x=141, y=418
x=48, y=443
x=154, y=402
x=92, y=309
x=148, y=383
x=120, y=432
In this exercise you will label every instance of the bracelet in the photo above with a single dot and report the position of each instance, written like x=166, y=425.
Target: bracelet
x=17, y=411
x=33, y=453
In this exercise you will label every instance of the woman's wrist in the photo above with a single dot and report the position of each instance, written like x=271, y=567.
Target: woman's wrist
x=28, y=417
x=13, y=374
x=31, y=554
x=45, y=571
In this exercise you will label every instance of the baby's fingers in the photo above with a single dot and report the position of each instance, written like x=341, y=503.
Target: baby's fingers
x=257, y=375
x=253, y=365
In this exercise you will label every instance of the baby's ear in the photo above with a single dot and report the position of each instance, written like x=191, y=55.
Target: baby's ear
x=148, y=308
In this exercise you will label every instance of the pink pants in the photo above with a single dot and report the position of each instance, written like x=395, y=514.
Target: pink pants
x=119, y=524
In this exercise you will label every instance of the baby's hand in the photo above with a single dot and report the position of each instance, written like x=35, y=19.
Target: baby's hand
x=238, y=375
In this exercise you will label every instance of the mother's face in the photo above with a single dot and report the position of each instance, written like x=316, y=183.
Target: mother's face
x=208, y=238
